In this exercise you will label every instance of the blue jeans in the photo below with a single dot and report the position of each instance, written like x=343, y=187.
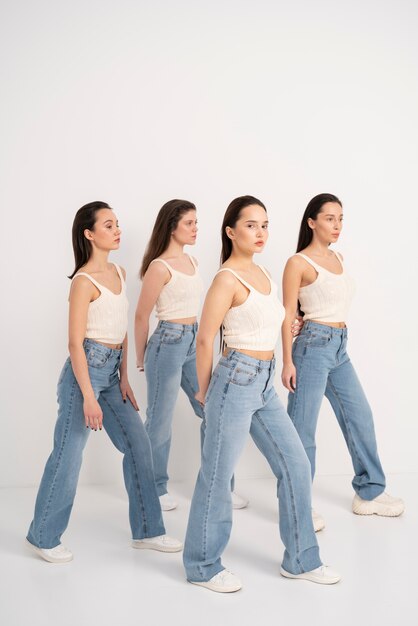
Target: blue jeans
x=324, y=368
x=126, y=430
x=241, y=399
x=170, y=363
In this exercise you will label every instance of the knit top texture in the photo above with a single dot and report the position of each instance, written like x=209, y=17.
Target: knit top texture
x=255, y=324
x=107, y=316
x=180, y=297
x=328, y=298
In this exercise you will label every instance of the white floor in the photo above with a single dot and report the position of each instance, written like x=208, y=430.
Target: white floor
x=109, y=583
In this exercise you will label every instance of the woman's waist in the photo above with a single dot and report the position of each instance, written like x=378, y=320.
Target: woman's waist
x=259, y=355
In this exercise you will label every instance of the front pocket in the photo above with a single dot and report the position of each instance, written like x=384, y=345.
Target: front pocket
x=171, y=336
x=243, y=375
x=318, y=340
x=96, y=358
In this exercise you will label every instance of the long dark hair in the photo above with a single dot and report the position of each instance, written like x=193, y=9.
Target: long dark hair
x=166, y=223
x=314, y=207
x=232, y=215
x=85, y=218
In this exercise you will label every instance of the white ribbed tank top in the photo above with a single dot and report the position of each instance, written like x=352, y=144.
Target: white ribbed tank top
x=107, y=316
x=255, y=324
x=180, y=297
x=328, y=298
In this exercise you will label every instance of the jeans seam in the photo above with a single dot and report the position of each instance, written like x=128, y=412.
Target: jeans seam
x=219, y=437
x=346, y=421
x=128, y=447
x=58, y=463
x=292, y=497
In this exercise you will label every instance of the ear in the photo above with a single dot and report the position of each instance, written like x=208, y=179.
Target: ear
x=311, y=223
x=88, y=235
x=229, y=232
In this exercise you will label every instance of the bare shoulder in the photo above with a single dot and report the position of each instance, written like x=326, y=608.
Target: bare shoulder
x=81, y=286
x=157, y=271
x=296, y=263
x=225, y=280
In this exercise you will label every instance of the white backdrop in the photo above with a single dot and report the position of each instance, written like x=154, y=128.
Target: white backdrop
x=137, y=102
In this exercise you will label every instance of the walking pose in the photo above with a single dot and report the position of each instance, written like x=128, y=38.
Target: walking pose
x=94, y=392
x=316, y=282
x=172, y=284
x=239, y=397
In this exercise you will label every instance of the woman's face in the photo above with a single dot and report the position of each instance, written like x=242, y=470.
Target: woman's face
x=106, y=232
x=186, y=230
x=328, y=223
x=250, y=233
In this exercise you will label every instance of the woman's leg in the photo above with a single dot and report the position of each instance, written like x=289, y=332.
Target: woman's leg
x=127, y=432
x=229, y=407
x=277, y=439
x=355, y=418
x=164, y=358
x=59, y=482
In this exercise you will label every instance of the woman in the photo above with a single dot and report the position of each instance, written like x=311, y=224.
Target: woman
x=94, y=392
x=239, y=397
x=171, y=283
x=315, y=280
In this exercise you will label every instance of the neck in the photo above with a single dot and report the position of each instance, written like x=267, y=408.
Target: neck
x=241, y=260
x=320, y=248
x=174, y=249
x=99, y=260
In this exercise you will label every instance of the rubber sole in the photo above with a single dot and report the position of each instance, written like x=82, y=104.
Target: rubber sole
x=46, y=557
x=309, y=576
x=216, y=588
x=141, y=545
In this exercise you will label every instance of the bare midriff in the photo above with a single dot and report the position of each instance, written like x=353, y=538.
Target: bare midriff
x=113, y=346
x=333, y=324
x=183, y=320
x=261, y=355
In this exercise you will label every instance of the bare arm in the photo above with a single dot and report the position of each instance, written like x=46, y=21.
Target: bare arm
x=292, y=278
x=156, y=276
x=218, y=301
x=81, y=294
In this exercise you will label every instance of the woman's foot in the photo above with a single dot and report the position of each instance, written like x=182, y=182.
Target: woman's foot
x=223, y=582
x=239, y=502
x=162, y=543
x=167, y=503
x=318, y=521
x=59, y=554
x=322, y=575
x=384, y=505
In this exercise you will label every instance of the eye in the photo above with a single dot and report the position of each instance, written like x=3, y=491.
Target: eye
x=265, y=226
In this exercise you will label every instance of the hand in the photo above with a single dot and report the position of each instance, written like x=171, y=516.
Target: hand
x=127, y=392
x=289, y=377
x=93, y=414
x=200, y=398
x=297, y=325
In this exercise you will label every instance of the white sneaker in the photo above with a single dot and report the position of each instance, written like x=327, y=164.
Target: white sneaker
x=323, y=575
x=162, y=543
x=223, y=582
x=318, y=521
x=385, y=505
x=239, y=502
x=59, y=554
x=167, y=503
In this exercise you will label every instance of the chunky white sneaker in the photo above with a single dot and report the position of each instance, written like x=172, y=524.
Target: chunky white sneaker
x=323, y=575
x=167, y=503
x=318, y=521
x=239, y=502
x=162, y=543
x=59, y=554
x=385, y=505
x=223, y=582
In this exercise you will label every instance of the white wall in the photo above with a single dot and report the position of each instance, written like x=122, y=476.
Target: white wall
x=137, y=102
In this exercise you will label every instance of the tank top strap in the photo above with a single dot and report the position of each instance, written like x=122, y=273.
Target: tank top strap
x=228, y=269
x=339, y=257
x=170, y=269
x=91, y=279
x=265, y=272
x=119, y=271
x=314, y=265
x=192, y=261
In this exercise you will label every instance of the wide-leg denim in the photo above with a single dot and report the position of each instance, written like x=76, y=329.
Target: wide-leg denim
x=170, y=363
x=241, y=399
x=324, y=368
x=126, y=430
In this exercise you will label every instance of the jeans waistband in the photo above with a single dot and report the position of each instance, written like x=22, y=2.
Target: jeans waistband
x=99, y=348
x=324, y=329
x=173, y=325
x=235, y=355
